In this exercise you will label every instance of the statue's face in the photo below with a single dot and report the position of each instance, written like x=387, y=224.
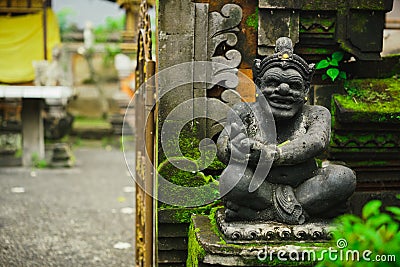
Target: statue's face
x=284, y=91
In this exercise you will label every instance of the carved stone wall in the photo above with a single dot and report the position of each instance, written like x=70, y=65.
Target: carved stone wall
x=221, y=32
x=202, y=31
x=320, y=27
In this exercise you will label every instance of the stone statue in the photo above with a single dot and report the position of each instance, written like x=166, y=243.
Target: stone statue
x=295, y=189
x=49, y=74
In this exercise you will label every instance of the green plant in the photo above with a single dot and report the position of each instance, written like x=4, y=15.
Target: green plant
x=331, y=64
x=38, y=162
x=110, y=26
x=110, y=52
x=63, y=17
x=18, y=153
x=370, y=92
x=374, y=234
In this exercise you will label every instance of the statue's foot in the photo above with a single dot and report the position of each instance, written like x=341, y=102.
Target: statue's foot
x=234, y=212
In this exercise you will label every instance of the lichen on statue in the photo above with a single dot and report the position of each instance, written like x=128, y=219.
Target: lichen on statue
x=294, y=189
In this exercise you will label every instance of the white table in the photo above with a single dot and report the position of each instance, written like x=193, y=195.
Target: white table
x=33, y=99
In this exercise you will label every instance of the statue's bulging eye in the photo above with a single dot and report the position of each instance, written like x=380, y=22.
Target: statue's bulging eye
x=296, y=86
x=270, y=83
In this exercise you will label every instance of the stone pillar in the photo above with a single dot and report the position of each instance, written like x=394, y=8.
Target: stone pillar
x=32, y=129
x=132, y=9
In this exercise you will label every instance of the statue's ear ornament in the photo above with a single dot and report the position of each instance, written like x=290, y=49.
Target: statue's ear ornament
x=257, y=63
x=256, y=68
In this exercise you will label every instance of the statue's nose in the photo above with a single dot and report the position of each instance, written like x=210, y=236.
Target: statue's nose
x=284, y=89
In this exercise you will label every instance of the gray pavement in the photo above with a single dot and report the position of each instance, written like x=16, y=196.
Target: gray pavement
x=68, y=217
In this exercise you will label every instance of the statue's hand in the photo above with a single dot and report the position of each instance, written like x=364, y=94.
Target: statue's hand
x=267, y=152
x=239, y=147
x=237, y=129
x=249, y=149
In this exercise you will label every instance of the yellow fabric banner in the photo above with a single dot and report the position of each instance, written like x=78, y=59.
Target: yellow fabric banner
x=21, y=42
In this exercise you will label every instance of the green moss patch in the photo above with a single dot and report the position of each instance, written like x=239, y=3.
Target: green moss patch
x=194, y=165
x=195, y=252
x=183, y=215
x=252, y=20
x=372, y=95
x=366, y=139
x=375, y=99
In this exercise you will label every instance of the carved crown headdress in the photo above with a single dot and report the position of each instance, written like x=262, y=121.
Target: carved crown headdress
x=283, y=58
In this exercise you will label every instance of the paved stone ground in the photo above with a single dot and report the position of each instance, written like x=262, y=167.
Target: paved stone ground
x=68, y=217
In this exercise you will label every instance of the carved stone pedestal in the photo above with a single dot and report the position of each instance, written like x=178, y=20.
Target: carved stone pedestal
x=62, y=156
x=255, y=244
x=259, y=232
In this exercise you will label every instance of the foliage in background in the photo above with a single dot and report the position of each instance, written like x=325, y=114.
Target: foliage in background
x=331, y=64
x=38, y=162
x=376, y=231
x=373, y=90
x=110, y=26
x=110, y=52
x=63, y=17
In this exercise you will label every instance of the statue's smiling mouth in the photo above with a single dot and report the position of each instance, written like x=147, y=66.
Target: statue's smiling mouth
x=282, y=102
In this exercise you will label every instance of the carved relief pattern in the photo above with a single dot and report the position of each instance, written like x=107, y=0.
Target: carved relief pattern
x=145, y=29
x=144, y=56
x=140, y=222
x=317, y=25
x=372, y=140
x=223, y=28
x=237, y=232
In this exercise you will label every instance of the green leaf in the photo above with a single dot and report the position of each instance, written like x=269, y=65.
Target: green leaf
x=371, y=236
x=338, y=56
x=394, y=210
x=333, y=73
x=391, y=230
x=334, y=62
x=371, y=208
x=378, y=220
x=342, y=75
x=324, y=77
x=322, y=64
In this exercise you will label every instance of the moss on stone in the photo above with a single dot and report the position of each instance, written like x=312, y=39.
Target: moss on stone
x=252, y=20
x=326, y=25
x=363, y=138
x=333, y=113
x=176, y=175
x=214, y=226
x=378, y=99
x=189, y=145
x=195, y=252
x=183, y=215
x=370, y=163
x=196, y=166
x=318, y=51
x=342, y=5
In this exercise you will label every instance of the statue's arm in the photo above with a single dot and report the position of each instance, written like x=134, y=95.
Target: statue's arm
x=223, y=146
x=312, y=143
x=229, y=141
